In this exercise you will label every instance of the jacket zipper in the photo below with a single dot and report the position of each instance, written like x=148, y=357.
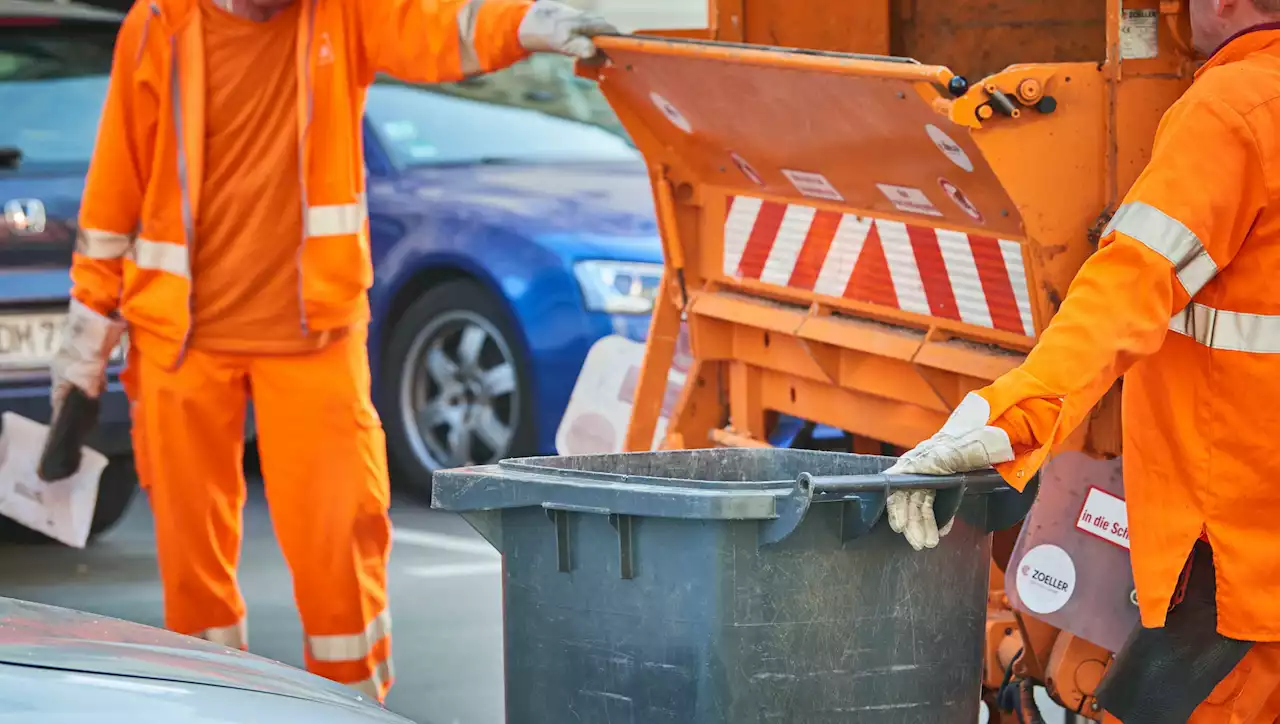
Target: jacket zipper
x=188, y=224
x=302, y=149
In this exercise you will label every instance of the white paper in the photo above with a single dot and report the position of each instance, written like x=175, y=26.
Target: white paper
x=62, y=510
x=599, y=410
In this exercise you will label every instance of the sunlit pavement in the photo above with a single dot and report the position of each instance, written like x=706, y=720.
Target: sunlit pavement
x=445, y=602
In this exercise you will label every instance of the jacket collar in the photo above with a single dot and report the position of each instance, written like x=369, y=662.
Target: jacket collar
x=1246, y=42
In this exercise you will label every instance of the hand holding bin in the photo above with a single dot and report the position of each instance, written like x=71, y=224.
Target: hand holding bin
x=719, y=586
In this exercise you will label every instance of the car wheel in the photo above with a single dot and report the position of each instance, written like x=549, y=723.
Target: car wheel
x=455, y=386
x=116, y=489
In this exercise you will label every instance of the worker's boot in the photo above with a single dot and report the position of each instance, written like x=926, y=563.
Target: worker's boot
x=1162, y=674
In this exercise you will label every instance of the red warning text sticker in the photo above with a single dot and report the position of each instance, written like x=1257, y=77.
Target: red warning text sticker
x=1105, y=516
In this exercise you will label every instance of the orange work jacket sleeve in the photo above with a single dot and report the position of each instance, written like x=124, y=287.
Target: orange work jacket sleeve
x=110, y=209
x=1183, y=220
x=438, y=41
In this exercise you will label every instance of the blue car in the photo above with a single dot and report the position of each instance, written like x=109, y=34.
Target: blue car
x=512, y=226
x=506, y=241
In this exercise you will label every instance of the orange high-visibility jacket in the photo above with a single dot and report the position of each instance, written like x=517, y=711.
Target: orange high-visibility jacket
x=143, y=191
x=1184, y=294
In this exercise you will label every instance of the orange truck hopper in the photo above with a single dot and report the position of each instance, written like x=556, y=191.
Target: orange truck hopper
x=859, y=238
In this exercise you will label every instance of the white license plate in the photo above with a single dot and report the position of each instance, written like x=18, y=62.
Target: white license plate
x=29, y=341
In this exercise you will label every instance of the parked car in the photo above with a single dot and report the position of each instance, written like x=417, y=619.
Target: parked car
x=60, y=665
x=506, y=242
x=512, y=226
x=53, y=64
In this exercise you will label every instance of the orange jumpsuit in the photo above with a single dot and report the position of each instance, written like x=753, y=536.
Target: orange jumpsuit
x=1181, y=296
x=224, y=217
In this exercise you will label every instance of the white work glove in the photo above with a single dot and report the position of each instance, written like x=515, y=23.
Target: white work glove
x=964, y=444
x=554, y=27
x=81, y=360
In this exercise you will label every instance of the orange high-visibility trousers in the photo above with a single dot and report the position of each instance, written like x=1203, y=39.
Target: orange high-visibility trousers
x=325, y=473
x=1249, y=695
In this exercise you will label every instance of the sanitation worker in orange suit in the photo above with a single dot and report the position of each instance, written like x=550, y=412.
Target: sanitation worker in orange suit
x=224, y=225
x=1181, y=295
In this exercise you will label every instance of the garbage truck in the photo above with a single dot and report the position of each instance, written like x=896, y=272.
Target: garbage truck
x=869, y=210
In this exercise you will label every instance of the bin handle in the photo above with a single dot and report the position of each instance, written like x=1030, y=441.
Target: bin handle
x=864, y=497
x=827, y=487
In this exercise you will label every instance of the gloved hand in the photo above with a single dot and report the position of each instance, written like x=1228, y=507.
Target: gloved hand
x=964, y=444
x=555, y=27
x=81, y=359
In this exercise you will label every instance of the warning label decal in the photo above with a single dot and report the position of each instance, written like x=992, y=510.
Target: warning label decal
x=672, y=113
x=746, y=169
x=911, y=200
x=954, y=193
x=1139, y=33
x=813, y=185
x=1105, y=516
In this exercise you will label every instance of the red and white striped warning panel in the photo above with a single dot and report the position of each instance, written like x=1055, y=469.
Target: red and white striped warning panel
x=968, y=278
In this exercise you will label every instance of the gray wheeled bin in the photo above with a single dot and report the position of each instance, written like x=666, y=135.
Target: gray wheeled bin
x=732, y=586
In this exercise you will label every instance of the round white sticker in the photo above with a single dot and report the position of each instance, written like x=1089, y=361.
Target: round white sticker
x=672, y=113
x=949, y=148
x=1046, y=579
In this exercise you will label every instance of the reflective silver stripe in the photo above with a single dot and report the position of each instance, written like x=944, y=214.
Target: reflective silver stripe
x=1230, y=331
x=1169, y=238
x=98, y=244
x=336, y=219
x=235, y=636
x=468, y=58
x=160, y=256
x=383, y=674
x=351, y=647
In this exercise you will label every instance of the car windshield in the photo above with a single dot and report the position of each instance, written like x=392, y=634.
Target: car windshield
x=532, y=112
x=52, y=89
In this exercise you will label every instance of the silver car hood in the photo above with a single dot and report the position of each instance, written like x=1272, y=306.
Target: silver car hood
x=48, y=637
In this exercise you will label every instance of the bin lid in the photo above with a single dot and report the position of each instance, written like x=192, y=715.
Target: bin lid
x=714, y=484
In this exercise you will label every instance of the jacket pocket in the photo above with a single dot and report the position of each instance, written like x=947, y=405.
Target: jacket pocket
x=336, y=271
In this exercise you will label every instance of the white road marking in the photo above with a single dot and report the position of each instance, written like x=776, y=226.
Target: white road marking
x=440, y=541
x=454, y=570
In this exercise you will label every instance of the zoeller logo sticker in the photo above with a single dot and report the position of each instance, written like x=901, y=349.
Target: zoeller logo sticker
x=1046, y=579
x=949, y=148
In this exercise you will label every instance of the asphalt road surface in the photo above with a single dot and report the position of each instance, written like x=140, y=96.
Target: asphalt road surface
x=445, y=602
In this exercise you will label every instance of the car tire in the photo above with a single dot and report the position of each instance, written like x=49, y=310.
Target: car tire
x=116, y=490
x=455, y=386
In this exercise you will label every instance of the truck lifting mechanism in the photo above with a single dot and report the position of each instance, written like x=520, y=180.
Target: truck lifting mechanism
x=869, y=209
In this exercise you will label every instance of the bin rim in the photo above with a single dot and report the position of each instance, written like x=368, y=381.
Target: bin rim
x=530, y=465
x=780, y=505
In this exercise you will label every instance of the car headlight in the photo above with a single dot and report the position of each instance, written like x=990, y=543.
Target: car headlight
x=619, y=287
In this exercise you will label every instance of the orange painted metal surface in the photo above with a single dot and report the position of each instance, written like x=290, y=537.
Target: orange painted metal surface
x=859, y=239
